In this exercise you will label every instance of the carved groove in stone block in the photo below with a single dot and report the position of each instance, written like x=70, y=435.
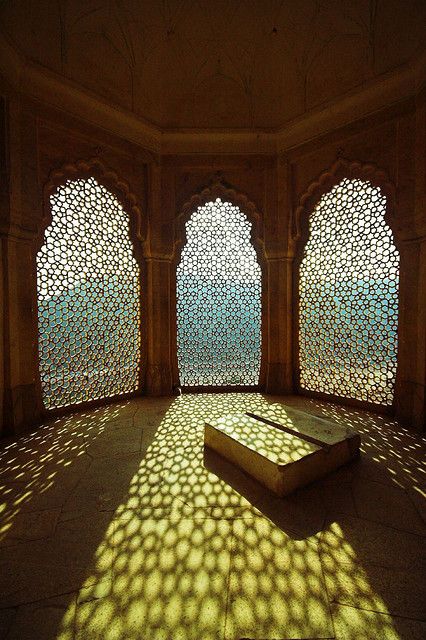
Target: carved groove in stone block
x=283, y=461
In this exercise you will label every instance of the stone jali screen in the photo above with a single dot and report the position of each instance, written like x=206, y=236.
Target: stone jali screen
x=88, y=285
x=348, y=297
x=218, y=300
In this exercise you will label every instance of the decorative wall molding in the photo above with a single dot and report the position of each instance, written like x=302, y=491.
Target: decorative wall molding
x=33, y=81
x=382, y=92
x=18, y=231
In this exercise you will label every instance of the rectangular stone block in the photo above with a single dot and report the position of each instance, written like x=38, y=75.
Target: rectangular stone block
x=283, y=448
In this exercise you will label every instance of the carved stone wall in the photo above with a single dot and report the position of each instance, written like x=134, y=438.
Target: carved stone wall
x=40, y=148
x=381, y=148
x=37, y=140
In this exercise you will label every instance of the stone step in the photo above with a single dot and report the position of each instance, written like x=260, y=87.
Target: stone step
x=282, y=448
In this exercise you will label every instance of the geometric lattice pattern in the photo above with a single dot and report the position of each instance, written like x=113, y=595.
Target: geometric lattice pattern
x=88, y=298
x=348, y=290
x=218, y=300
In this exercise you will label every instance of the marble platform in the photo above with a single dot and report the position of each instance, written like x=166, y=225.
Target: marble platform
x=284, y=448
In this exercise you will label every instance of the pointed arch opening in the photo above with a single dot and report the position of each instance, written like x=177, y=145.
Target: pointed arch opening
x=88, y=296
x=348, y=290
x=219, y=299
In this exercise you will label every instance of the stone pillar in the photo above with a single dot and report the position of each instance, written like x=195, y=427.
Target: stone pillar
x=19, y=227
x=22, y=403
x=279, y=310
x=4, y=217
x=158, y=249
x=158, y=378
x=410, y=390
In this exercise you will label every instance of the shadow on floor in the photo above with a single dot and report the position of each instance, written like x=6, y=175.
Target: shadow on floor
x=113, y=528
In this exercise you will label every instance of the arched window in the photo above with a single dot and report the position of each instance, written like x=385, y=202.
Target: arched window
x=88, y=286
x=348, y=296
x=218, y=300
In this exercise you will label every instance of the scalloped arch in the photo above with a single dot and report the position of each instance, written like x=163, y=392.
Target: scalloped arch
x=341, y=169
x=95, y=168
x=218, y=190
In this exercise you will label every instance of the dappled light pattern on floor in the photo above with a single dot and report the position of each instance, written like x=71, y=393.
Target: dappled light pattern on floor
x=116, y=524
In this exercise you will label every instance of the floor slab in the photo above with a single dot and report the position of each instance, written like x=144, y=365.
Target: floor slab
x=115, y=524
x=276, y=587
x=352, y=624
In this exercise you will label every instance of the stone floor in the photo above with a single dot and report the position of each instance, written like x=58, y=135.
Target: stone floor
x=116, y=525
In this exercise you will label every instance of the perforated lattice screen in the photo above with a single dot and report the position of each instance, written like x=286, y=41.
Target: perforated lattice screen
x=349, y=296
x=88, y=298
x=218, y=300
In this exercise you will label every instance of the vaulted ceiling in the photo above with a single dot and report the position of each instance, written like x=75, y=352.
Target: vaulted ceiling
x=191, y=64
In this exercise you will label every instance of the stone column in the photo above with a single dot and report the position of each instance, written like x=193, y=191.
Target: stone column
x=18, y=230
x=279, y=310
x=22, y=402
x=158, y=379
x=410, y=389
x=4, y=216
x=158, y=256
